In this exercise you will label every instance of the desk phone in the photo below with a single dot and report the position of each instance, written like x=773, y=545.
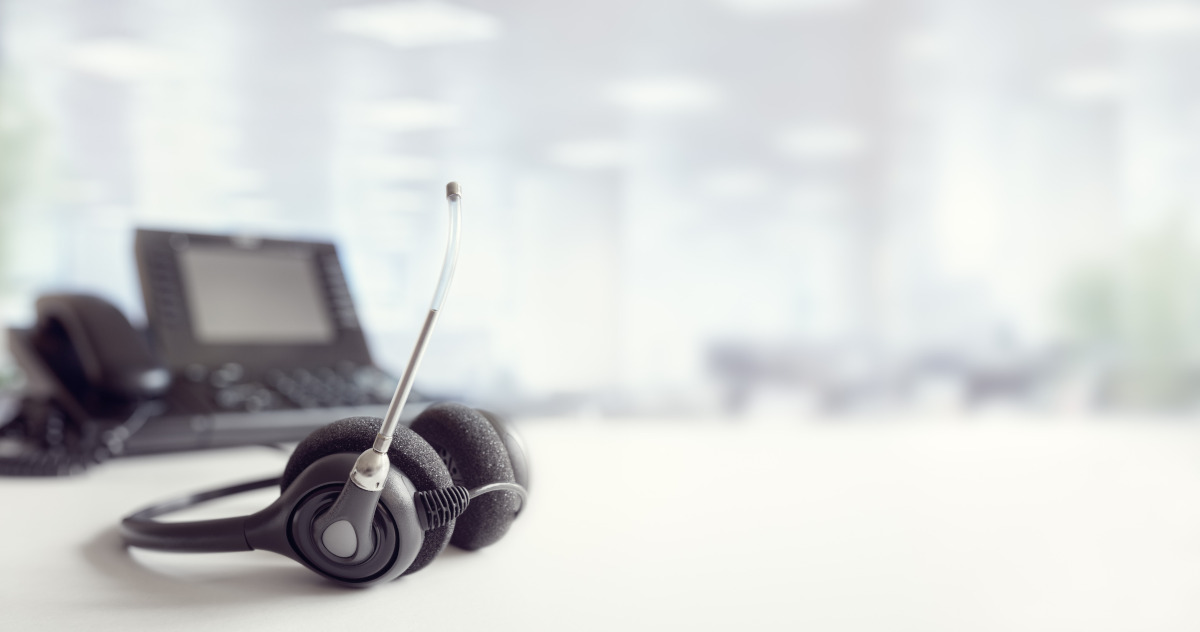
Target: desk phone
x=248, y=340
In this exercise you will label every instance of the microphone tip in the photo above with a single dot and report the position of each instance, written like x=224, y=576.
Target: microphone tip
x=452, y=188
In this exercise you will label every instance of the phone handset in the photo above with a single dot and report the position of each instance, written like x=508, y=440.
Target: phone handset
x=90, y=345
x=84, y=364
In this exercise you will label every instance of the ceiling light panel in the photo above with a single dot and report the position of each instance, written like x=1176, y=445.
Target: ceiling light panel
x=408, y=115
x=1093, y=84
x=822, y=142
x=1156, y=18
x=416, y=24
x=398, y=168
x=735, y=183
x=590, y=154
x=663, y=94
x=120, y=59
x=775, y=7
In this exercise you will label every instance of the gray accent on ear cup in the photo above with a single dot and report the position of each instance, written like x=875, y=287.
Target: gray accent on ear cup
x=409, y=453
x=476, y=456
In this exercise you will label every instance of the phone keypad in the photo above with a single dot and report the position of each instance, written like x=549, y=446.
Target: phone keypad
x=310, y=387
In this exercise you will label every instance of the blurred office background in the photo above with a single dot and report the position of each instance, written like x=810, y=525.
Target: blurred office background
x=742, y=207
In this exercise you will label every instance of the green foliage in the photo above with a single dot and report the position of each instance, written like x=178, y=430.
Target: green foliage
x=1141, y=313
x=21, y=136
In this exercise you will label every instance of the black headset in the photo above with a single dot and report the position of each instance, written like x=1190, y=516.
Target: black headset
x=364, y=500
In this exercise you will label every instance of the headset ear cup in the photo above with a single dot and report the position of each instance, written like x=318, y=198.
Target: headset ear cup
x=476, y=456
x=409, y=454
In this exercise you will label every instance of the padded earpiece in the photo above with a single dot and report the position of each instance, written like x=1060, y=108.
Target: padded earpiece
x=476, y=456
x=409, y=453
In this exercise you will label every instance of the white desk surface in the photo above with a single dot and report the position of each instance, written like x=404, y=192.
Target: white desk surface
x=968, y=526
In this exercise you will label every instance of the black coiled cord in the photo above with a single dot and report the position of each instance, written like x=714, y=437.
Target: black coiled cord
x=41, y=440
x=46, y=464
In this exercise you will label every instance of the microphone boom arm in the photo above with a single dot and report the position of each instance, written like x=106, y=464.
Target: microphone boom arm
x=345, y=529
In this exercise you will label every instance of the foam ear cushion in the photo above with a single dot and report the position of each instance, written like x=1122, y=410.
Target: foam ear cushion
x=477, y=457
x=409, y=454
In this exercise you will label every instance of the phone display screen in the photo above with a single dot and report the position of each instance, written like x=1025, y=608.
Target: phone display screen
x=256, y=296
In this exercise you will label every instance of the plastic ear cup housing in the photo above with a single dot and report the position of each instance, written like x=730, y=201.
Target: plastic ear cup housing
x=409, y=453
x=476, y=456
x=304, y=538
x=286, y=527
